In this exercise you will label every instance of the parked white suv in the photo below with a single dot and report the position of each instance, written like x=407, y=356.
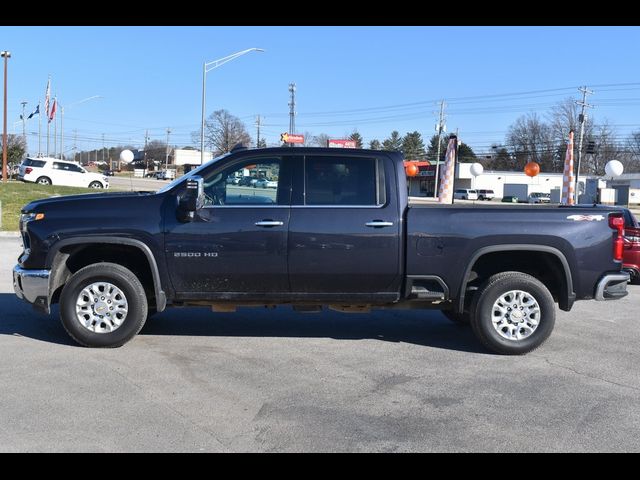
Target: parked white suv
x=465, y=194
x=51, y=171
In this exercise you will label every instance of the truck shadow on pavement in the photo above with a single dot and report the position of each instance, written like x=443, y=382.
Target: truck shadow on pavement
x=427, y=328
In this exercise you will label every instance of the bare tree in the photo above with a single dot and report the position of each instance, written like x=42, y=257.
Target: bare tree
x=222, y=132
x=309, y=139
x=606, y=148
x=321, y=140
x=564, y=117
x=530, y=139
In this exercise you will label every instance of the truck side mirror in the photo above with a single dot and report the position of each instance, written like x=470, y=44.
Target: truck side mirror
x=192, y=199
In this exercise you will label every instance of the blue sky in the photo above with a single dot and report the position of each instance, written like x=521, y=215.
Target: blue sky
x=151, y=77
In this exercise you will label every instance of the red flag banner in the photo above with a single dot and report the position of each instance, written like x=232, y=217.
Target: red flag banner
x=53, y=109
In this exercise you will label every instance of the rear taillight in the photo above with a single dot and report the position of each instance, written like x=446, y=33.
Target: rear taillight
x=617, y=223
x=28, y=170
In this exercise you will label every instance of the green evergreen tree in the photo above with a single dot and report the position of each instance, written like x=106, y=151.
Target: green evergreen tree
x=432, y=151
x=393, y=143
x=466, y=153
x=413, y=146
x=375, y=144
x=358, y=139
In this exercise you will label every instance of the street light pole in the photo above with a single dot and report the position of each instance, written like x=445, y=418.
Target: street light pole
x=6, y=55
x=207, y=67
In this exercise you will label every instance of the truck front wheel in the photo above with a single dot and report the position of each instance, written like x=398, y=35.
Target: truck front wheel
x=103, y=305
x=514, y=313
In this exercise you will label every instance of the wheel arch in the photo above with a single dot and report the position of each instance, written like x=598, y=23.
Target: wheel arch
x=565, y=292
x=64, y=249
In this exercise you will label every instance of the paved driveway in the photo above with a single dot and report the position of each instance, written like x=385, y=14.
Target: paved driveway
x=275, y=380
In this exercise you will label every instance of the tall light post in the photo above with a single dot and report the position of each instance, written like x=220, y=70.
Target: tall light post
x=207, y=67
x=62, y=107
x=6, y=55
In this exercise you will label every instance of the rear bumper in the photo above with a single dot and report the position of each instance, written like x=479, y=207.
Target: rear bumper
x=32, y=286
x=612, y=286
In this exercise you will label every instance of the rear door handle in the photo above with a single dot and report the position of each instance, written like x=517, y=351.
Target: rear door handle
x=269, y=223
x=379, y=224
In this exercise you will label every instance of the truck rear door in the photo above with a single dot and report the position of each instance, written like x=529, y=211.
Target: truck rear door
x=344, y=228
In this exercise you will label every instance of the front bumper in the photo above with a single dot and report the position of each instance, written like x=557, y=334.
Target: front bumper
x=32, y=286
x=612, y=286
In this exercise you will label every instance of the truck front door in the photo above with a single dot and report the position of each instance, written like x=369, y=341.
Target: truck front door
x=236, y=246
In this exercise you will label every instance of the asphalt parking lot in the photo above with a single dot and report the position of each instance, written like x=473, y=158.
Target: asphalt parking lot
x=275, y=380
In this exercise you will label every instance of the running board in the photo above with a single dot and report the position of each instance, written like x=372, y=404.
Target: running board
x=426, y=287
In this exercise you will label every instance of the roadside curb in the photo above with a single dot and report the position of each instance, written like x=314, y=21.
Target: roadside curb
x=9, y=234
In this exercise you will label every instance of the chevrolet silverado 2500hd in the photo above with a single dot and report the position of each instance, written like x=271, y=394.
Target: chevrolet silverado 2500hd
x=337, y=230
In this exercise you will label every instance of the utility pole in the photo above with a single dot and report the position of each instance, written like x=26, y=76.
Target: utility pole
x=166, y=156
x=55, y=137
x=292, y=108
x=146, y=139
x=258, y=133
x=440, y=127
x=582, y=118
x=75, y=144
x=39, y=130
x=6, y=55
x=61, y=133
x=103, y=148
x=24, y=131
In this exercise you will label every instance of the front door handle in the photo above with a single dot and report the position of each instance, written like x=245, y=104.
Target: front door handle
x=379, y=224
x=269, y=223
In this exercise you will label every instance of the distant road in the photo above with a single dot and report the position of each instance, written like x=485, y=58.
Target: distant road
x=136, y=184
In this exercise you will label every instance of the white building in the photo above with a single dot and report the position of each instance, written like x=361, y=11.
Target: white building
x=495, y=180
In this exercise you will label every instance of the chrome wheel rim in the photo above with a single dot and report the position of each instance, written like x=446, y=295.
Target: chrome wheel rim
x=515, y=315
x=95, y=185
x=101, y=307
x=43, y=181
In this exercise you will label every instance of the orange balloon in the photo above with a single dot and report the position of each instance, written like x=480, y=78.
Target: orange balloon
x=532, y=169
x=412, y=170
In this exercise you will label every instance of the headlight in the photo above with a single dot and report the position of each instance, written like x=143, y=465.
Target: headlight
x=29, y=217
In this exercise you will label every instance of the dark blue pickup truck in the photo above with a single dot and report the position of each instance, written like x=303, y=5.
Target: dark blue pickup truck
x=325, y=227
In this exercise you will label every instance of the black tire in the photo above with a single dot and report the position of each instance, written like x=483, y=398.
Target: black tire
x=43, y=181
x=124, y=280
x=460, y=318
x=96, y=184
x=482, y=309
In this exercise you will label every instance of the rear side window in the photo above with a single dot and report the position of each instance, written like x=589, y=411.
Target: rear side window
x=343, y=181
x=30, y=162
x=69, y=167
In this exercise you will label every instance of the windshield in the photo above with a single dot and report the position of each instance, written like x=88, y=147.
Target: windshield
x=195, y=171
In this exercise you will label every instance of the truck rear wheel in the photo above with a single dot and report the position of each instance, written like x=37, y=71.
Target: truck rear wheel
x=103, y=305
x=514, y=313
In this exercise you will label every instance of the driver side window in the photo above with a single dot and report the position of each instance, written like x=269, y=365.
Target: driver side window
x=249, y=182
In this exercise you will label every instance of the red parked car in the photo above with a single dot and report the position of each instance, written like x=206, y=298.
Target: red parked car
x=631, y=255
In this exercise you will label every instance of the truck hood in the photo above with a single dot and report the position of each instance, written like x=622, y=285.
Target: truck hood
x=82, y=199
